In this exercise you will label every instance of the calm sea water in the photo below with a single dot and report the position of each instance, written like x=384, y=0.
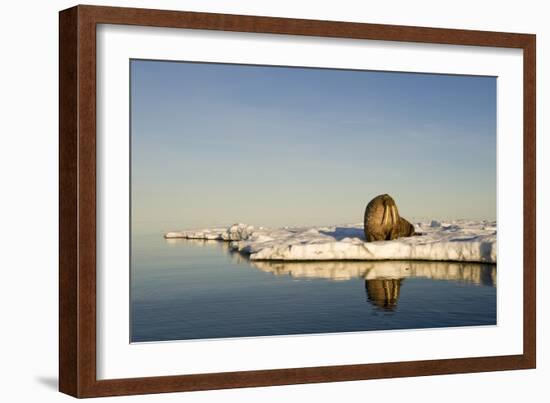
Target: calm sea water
x=185, y=289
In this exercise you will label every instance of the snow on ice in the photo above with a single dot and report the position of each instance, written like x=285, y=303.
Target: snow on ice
x=461, y=240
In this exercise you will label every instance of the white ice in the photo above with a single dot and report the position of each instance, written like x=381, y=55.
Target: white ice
x=461, y=240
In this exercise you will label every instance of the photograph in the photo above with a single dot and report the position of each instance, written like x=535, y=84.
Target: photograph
x=285, y=200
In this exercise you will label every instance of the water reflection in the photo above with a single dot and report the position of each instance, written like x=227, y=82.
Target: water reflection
x=236, y=257
x=383, y=293
x=384, y=279
x=475, y=273
x=196, y=289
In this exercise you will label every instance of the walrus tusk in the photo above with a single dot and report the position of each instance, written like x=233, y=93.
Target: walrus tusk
x=394, y=215
x=386, y=215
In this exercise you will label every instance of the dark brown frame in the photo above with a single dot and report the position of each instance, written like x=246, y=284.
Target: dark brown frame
x=77, y=200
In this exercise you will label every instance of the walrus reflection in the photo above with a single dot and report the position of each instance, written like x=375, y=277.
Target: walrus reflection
x=383, y=293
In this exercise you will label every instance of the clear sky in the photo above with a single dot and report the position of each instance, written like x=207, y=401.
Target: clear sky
x=214, y=144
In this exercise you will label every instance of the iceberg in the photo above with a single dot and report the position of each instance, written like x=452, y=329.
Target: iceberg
x=457, y=241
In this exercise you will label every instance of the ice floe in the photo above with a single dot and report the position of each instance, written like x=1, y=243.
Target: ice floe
x=460, y=240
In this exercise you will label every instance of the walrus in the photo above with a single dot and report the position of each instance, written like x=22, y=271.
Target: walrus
x=382, y=220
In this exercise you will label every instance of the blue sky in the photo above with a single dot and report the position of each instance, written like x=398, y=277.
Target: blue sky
x=214, y=144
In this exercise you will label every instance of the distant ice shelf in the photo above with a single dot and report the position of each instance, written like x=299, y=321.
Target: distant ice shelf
x=460, y=240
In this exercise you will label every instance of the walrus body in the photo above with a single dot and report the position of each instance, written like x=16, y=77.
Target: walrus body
x=382, y=220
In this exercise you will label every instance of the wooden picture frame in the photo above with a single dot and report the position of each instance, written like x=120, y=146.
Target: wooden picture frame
x=77, y=205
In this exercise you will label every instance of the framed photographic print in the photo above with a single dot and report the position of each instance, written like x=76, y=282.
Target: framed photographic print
x=254, y=201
